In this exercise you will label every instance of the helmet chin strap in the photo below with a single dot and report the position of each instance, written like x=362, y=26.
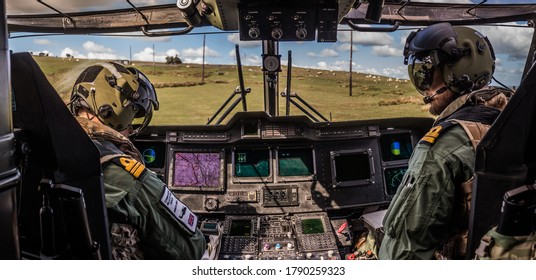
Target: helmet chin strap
x=429, y=99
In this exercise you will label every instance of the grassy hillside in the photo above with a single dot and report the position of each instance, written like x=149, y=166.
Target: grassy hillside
x=184, y=99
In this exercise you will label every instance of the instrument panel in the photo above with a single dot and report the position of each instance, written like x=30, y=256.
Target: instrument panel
x=276, y=187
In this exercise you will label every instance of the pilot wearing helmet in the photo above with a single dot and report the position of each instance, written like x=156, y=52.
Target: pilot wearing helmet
x=451, y=66
x=146, y=220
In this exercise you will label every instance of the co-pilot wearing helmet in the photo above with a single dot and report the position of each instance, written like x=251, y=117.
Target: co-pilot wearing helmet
x=452, y=68
x=146, y=220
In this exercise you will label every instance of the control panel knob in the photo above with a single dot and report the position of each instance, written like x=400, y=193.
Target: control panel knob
x=330, y=253
x=211, y=204
x=290, y=246
x=309, y=256
x=277, y=33
x=301, y=33
x=254, y=32
x=278, y=246
x=248, y=257
x=266, y=247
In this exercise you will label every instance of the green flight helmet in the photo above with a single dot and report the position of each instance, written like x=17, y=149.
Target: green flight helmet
x=111, y=92
x=463, y=54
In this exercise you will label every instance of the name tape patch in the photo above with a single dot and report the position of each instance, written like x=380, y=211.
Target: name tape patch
x=179, y=211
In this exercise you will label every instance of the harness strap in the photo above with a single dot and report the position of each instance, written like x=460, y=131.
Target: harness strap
x=474, y=130
x=483, y=250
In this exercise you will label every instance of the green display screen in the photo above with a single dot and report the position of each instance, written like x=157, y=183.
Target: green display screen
x=393, y=178
x=240, y=228
x=295, y=162
x=252, y=163
x=310, y=226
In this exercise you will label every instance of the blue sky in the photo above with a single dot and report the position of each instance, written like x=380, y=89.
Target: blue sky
x=374, y=53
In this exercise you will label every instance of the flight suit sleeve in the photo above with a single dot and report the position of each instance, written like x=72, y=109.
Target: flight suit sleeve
x=419, y=215
x=163, y=234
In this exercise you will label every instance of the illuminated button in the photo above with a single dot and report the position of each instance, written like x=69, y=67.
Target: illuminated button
x=278, y=246
x=330, y=253
x=266, y=247
x=309, y=256
x=290, y=246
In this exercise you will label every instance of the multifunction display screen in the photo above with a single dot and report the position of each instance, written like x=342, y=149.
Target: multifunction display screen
x=197, y=170
x=240, y=228
x=295, y=161
x=396, y=146
x=351, y=168
x=252, y=163
x=311, y=226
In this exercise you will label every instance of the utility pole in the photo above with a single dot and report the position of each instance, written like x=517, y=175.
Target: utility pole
x=153, y=61
x=351, y=58
x=130, y=55
x=203, y=65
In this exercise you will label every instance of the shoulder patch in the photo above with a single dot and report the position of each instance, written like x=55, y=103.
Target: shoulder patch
x=131, y=165
x=179, y=210
x=431, y=136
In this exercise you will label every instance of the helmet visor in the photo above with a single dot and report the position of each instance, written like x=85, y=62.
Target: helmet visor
x=421, y=72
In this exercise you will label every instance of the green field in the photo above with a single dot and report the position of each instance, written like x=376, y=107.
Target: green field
x=185, y=99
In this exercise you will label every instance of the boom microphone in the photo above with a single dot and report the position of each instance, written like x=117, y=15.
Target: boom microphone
x=428, y=99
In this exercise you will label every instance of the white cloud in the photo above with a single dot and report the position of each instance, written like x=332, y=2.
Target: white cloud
x=324, y=53
x=365, y=38
x=190, y=52
x=172, y=52
x=91, y=46
x=322, y=65
x=107, y=56
x=397, y=72
x=253, y=60
x=147, y=55
x=512, y=41
x=235, y=39
x=71, y=52
x=42, y=41
x=328, y=53
x=346, y=47
x=385, y=51
x=247, y=59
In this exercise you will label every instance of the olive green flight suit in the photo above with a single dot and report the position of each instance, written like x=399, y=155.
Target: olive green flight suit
x=424, y=213
x=140, y=206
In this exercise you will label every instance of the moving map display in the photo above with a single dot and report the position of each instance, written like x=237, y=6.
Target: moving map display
x=198, y=170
